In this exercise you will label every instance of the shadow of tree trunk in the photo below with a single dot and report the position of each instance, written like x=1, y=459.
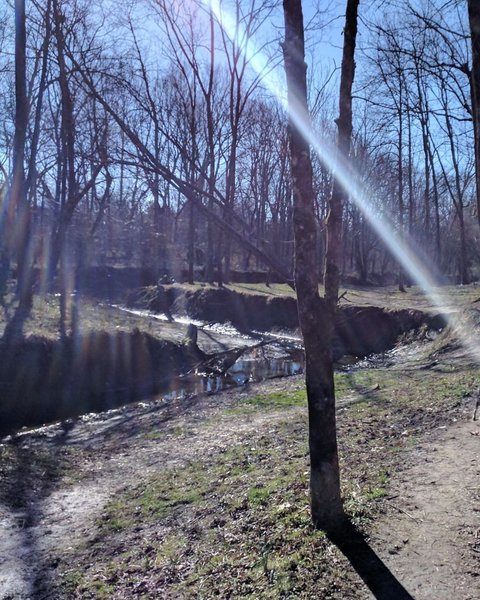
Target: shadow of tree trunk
x=375, y=574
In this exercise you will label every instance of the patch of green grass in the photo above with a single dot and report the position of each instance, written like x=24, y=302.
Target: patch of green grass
x=156, y=502
x=170, y=551
x=278, y=399
x=375, y=493
x=258, y=495
x=223, y=504
x=368, y=384
x=156, y=499
x=381, y=389
x=114, y=520
x=72, y=580
x=362, y=381
x=102, y=589
x=180, y=431
x=383, y=477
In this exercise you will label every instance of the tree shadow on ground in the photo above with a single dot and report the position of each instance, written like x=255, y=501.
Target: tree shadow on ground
x=373, y=571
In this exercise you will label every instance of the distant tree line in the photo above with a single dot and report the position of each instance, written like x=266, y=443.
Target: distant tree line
x=147, y=136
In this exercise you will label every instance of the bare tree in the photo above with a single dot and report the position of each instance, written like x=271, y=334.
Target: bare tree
x=458, y=184
x=316, y=314
x=16, y=235
x=392, y=69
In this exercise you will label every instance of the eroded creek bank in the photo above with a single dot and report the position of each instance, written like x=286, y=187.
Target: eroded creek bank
x=45, y=380
x=360, y=330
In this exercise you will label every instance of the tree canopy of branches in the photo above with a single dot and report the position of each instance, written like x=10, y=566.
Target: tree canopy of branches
x=165, y=148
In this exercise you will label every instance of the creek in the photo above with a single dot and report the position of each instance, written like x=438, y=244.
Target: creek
x=281, y=356
x=46, y=380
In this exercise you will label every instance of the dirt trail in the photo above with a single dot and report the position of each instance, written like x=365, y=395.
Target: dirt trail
x=432, y=532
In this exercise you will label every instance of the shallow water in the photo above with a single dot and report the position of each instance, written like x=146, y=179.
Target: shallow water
x=241, y=373
x=281, y=357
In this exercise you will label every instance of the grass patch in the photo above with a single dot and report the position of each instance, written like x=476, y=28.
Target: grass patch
x=157, y=499
x=258, y=495
x=71, y=581
x=237, y=524
x=278, y=399
x=170, y=551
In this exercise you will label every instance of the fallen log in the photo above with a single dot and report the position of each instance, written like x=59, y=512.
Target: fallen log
x=217, y=363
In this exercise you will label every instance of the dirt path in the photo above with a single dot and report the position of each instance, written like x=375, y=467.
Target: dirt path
x=432, y=531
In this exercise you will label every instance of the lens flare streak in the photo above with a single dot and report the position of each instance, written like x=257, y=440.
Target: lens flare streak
x=343, y=171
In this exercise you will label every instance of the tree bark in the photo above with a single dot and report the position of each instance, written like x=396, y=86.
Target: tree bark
x=32, y=161
x=191, y=243
x=315, y=320
x=17, y=238
x=474, y=18
x=333, y=258
x=401, y=225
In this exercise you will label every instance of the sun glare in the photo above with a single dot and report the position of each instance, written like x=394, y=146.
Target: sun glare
x=400, y=247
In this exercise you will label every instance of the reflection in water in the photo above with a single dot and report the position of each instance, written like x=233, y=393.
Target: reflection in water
x=258, y=370
x=260, y=365
x=241, y=373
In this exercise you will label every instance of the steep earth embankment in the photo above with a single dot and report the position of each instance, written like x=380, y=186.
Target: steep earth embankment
x=360, y=330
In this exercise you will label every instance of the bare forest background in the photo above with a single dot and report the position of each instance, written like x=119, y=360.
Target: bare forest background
x=152, y=141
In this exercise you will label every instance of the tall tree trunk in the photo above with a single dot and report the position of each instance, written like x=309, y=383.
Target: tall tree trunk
x=423, y=117
x=401, y=224
x=436, y=201
x=315, y=313
x=474, y=18
x=17, y=198
x=462, y=253
x=457, y=191
x=411, y=197
x=339, y=196
x=67, y=140
x=191, y=243
x=32, y=172
x=17, y=238
x=209, y=262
